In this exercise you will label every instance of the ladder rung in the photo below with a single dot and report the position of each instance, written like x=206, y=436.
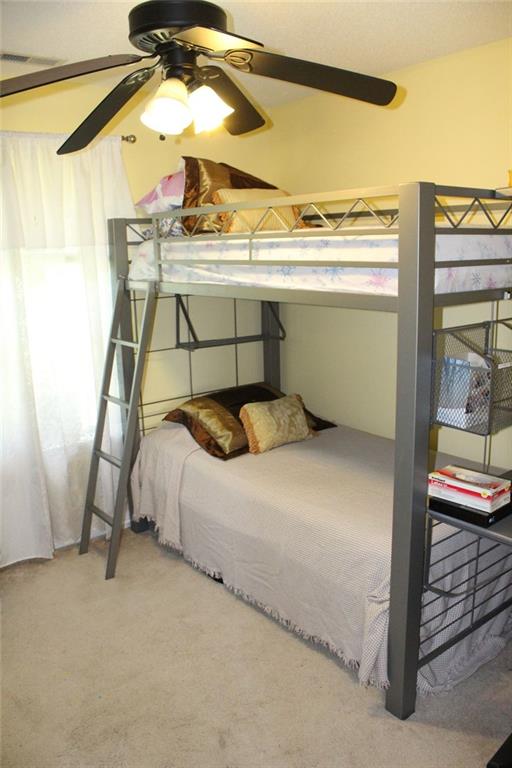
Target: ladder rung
x=125, y=343
x=116, y=400
x=108, y=457
x=119, y=339
x=100, y=513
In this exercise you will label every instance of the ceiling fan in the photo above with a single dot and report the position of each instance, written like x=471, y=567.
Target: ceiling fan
x=173, y=34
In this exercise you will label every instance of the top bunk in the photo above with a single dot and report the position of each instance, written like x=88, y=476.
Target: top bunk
x=343, y=249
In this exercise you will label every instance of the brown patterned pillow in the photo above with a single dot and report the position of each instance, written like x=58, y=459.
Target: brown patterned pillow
x=212, y=426
x=203, y=178
x=200, y=435
x=269, y=425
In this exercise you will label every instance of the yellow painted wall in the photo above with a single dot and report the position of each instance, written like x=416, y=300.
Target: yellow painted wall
x=453, y=126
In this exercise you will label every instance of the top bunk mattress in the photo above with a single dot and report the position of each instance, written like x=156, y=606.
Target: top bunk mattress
x=335, y=276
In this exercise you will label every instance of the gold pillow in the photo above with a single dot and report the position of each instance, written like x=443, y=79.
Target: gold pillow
x=247, y=221
x=270, y=424
x=217, y=421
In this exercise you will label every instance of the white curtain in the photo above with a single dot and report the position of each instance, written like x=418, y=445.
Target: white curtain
x=55, y=308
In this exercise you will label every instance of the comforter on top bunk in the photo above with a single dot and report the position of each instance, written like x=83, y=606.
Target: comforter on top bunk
x=304, y=532
x=334, y=277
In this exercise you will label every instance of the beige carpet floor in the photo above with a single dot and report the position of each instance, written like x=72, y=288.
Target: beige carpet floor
x=163, y=668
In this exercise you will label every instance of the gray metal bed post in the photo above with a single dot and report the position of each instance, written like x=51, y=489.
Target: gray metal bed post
x=119, y=265
x=415, y=325
x=271, y=349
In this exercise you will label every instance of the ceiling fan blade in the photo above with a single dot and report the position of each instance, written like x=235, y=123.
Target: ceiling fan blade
x=246, y=117
x=66, y=72
x=105, y=111
x=319, y=76
x=212, y=39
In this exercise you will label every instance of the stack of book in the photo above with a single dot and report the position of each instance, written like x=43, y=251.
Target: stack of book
x=468, y=495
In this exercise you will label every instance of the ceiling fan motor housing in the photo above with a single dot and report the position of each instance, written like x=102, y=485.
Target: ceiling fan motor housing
x=152, y=24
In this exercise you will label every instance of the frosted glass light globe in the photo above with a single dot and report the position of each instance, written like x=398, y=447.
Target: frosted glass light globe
x=168, y=111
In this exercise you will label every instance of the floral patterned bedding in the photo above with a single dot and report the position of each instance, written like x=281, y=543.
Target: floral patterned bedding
x=334, y=277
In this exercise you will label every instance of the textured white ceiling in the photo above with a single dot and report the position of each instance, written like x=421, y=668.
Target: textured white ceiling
x=373, y=37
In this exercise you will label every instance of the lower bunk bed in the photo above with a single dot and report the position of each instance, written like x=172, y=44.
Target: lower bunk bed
x=304, y=533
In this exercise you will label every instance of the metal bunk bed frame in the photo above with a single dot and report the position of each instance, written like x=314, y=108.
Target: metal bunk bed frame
x=423, y=212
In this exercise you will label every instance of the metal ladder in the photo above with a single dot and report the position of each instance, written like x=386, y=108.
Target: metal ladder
x=129, y=406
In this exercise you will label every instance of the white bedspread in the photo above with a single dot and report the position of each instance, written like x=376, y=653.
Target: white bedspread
x=156, y=480
x=303, y=531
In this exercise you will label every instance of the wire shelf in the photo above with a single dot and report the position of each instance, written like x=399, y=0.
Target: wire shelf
x=472, y=378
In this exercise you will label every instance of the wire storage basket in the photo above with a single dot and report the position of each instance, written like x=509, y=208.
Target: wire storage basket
x=472, y=377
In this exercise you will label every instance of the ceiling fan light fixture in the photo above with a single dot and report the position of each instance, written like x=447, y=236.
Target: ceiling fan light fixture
x=208, y=109
x=168, y=111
